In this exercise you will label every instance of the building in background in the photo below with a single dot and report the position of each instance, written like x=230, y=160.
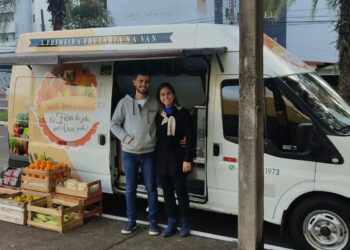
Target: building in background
x=29, y=16
x=309, y=39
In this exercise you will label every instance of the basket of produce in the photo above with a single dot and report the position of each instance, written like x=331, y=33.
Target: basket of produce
x=13, y=207
x=44, y=175
x=52, y=215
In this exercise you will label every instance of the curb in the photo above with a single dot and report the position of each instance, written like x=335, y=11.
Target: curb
x=3, y=123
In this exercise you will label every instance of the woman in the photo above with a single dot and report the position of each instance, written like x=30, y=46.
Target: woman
x=173, y=159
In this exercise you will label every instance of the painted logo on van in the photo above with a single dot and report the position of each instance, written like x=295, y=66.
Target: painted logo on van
x=102, y=40
x=283, y=53
x=66, y=105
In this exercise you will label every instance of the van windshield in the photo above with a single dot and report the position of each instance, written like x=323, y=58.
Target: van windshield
x=325, y=103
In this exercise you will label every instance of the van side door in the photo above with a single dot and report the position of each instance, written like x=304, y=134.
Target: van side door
x=71, y=108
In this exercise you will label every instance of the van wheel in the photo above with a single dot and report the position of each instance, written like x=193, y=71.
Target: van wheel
x=321, y=223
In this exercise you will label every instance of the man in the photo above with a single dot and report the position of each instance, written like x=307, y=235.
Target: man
x=133, y=123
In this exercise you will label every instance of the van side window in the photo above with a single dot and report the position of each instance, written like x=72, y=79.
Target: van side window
x=281, y=116
x=229, y=103
x=282, y=119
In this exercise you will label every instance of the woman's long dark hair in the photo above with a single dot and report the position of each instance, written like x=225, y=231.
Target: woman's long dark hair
x=169, y=86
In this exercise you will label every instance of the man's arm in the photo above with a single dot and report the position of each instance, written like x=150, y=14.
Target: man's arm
x=117, y=122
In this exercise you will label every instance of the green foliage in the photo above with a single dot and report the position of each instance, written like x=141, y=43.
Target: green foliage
x=57, y=8
x=3, y=115
x=26, y=132
x=13, y=143
x=90, y=14
x=7, y=8
x=276, y=8
x=22, y=120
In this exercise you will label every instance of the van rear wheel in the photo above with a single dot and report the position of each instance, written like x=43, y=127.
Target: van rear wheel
x=321, y=223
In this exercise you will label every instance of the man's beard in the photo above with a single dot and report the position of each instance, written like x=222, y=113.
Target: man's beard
x=142, y=92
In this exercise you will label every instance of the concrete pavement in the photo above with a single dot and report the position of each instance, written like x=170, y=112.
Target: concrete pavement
x=99, y=234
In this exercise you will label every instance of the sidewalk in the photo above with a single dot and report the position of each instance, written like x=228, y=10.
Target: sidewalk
x=99, y=234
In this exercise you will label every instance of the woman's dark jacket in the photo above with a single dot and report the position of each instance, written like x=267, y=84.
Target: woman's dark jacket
x=169, y=153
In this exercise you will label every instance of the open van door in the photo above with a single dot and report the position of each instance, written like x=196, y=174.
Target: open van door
x=69, y=115
x=223, y=145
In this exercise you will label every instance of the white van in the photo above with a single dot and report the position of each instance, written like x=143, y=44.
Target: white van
x=66, y=84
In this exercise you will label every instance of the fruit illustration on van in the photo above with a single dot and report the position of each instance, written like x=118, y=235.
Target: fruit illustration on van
x=66, y=105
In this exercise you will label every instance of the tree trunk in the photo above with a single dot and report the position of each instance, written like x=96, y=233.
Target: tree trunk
x=343, y=45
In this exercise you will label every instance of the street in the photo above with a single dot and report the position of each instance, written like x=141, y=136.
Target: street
x=208, y=222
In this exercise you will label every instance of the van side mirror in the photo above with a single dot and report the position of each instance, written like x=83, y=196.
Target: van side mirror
x=304, y=136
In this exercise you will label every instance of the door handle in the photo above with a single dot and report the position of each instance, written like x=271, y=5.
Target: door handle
x=216, y=149
x=102, y=139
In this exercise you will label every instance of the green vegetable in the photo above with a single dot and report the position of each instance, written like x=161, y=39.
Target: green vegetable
x=37, y=220
x=22, y=120
x=13, y=143
x=42, y=156
x=52, y=222
x=26, y=132
x=42, y=217
x=51, y=217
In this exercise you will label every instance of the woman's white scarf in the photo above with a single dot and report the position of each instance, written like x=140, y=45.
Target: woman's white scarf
x=171, y=123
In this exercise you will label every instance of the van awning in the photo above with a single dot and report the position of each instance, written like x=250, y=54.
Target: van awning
x=66, y=57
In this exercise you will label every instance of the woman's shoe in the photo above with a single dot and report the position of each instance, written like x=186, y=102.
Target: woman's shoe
x=185, y=228
x=171, y=228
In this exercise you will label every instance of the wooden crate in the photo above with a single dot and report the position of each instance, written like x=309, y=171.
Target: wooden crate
x=46, y=184
x=8, y=190
x=89, y=206
x=14, y=211
x=93, y=189
x=50, y=207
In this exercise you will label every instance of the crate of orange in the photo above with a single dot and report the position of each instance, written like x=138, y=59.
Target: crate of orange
x=44, y=175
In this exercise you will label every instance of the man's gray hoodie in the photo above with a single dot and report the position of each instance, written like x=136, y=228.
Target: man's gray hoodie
x=129, y=122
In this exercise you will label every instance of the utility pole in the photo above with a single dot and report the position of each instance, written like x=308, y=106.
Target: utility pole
x=251, y=128
x=42, y=20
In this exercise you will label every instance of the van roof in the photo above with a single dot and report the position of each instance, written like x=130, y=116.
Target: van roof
x=122, y=43
x=142, y=42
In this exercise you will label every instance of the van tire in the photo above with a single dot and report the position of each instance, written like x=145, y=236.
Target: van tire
x=322, y=218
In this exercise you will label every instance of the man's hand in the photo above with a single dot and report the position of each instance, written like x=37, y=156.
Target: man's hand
x=186, y=167
x=130, y=141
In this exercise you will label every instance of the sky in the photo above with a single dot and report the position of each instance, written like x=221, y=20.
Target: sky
x=309, y=39
x=312, y=39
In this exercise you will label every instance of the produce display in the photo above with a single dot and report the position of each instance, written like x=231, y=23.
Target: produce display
x=74, y=184
x=52, y=219
x=18, y=140
x=25, y=197
x=54, y=214
x=13, y=206
x=10, y=177
x=44, y=174
x=20, y=125
x=46, y=166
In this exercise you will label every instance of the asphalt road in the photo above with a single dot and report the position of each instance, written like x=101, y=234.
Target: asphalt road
x=204, y=221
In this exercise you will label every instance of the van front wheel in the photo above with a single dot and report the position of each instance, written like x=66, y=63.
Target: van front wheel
x=321, y=223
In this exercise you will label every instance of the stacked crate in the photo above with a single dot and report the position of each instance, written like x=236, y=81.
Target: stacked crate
x=90, y=197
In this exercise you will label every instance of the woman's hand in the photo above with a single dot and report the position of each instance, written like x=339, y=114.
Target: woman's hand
x=186, y=167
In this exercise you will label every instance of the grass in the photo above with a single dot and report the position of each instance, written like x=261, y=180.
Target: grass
x=3, y=115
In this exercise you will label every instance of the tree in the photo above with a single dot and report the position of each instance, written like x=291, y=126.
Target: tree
x=7, y=11
x=57, y=8
x=342, y=26
x=276, y=7
x=89, y=14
